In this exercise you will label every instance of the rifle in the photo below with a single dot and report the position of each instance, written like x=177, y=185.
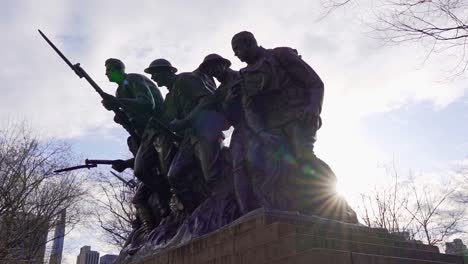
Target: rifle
x=153, y=121
x=89, y=164
x=130, y=183
x=93, y=164
x=125, y=121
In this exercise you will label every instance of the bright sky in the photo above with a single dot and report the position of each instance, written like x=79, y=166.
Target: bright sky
x=382, y=103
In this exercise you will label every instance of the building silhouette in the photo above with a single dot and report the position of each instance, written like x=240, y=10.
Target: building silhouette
x=87, y=256
x=108, y=259
x=57, y=246
x=456, y=248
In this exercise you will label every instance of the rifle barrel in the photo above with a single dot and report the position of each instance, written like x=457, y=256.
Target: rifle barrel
x=56, y=49
x=83, y=74
x=128, y=183
x=87, y=166
x=156, y=122
x=104, y=162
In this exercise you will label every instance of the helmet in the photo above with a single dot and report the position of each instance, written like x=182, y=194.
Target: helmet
x=116, y=63
x=211, y=58
x=160, y=64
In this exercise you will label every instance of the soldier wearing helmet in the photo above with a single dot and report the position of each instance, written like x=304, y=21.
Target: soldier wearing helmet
x=139, y=99
x=184, y=107
x=227, y=100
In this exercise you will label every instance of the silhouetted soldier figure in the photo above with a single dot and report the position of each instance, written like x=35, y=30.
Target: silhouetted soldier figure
x=206, y=79
x=144, y=217
x=227, y=100
x=281, y=91
x=140, y=99
x=187, y=94
x=283, y=99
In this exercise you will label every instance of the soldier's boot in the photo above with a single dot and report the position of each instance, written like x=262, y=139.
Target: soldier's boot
x=189, y=202
x=163, y=210
x=147, y=220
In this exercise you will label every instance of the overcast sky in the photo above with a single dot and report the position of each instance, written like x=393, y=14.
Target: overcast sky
x=382, y=103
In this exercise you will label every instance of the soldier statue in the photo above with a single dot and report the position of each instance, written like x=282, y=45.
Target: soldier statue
x=187, y=94
x=227, y=100
x=139, y=99
x=282, y=99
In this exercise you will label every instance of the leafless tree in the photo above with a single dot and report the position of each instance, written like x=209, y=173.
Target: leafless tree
x=421, y=211
x=332, y=5
x=441, y=25
x=385, y=207
x=462, y=180
x=31, y=195
x=114, y=211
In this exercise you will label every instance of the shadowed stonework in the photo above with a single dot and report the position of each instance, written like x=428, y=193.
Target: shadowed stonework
x=280, y=238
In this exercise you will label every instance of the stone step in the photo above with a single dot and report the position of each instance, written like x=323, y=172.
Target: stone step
x=274, y=231
x=325, y=256
x=294, y=244
x=228, y=242
x=257, y=227
x=359, y=258
x=364, y=237
x=255, y=239
x=329, y=256
x=369, y=232
x=265, y=217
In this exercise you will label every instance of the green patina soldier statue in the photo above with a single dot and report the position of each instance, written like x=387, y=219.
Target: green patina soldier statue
x=140, y=99
x=187, y=94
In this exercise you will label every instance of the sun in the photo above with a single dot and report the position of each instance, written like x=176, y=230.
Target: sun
x=353, y=159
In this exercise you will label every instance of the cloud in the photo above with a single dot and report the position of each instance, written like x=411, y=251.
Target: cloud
x=361, y=77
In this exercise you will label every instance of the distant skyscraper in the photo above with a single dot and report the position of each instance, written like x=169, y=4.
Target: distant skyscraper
x=57, y=246
x=87, y=256
x=108, y=259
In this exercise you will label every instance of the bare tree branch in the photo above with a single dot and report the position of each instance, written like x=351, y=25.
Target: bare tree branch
x=31, y=198
x=425, y=212
x=441, y=23
x=115, y=213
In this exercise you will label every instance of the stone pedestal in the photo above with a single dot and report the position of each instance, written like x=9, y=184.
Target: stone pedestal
x=283, y=238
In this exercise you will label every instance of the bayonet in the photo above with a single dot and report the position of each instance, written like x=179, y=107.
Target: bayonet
x=126, y=122
x=130, y=183
x=86, y=166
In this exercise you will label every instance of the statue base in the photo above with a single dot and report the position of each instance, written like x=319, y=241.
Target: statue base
x=284, y=237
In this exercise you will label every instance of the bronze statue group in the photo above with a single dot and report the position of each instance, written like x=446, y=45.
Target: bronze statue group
x=190, y=183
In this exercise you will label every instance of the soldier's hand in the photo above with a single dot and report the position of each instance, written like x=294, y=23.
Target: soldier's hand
x=119, y=165
x=269, y=138
x=177, y=124
x=109, y=102
x=233, y=93
x=117, y=119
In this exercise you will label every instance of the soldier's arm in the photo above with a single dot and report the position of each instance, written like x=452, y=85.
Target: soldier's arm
x=252, y=118
x=205, y=102
x=158, y=101
x=194, y=89
x=143, y=101
x=255, y=123
x=122, y=119
x=297, y=69
x=121, y=165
